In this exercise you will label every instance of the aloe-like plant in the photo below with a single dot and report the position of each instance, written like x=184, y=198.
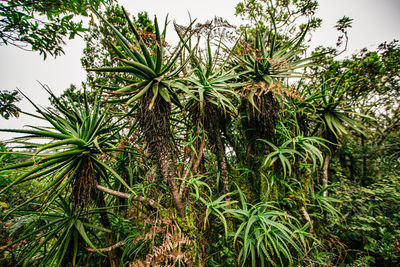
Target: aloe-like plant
x=305, y=148
x=211, y=81
x=54, y=238
x=153, y=72
x=267, y=58
x=76, y=139
x=267, y=235
x=333, y=113
x=212, y=100
x=71, y=162
x=216, y=207
x=153, y=86
x=265, y=62
x=324, y=204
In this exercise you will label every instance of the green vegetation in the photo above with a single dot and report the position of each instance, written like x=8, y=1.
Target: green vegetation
x=41, y=25
x=229, y=148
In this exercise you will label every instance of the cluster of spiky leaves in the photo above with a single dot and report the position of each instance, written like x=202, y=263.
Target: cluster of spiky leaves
x=79, y=135
x=268, y=234
x=211, y=83
x=61, y=232
x=148, y=65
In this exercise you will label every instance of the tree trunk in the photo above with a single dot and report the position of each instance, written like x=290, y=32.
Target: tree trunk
x=325, y=173
x=155, y=125
x=167, y=168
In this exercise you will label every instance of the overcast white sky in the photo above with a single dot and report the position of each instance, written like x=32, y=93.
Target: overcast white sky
x=375, y=21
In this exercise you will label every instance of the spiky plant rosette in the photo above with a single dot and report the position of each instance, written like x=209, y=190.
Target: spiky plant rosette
x=153, y=84
x=213, y=99
x=267, y=235
x=334, y=111
x=265, y=62
x=328, y=105
x=78, y=136
x=56, y=237
x=151, y=68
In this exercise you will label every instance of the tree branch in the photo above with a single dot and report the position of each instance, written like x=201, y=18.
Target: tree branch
x=147, y=201
x=107, y=249
x=307, y=217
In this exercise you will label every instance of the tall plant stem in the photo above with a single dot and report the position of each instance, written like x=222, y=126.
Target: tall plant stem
x=307, y=217
x=155, y=124
x=325, y=172
x=194, y=164
x=168, y=172
x=222, y=164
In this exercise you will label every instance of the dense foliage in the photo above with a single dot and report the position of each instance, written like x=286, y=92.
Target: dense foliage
x=230, y=148
x=8, y=106
x=41, y=25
